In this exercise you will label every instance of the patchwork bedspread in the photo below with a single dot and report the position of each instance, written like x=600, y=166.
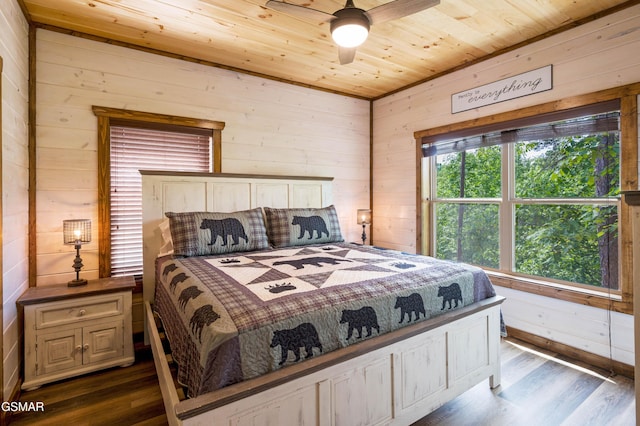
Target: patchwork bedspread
x=234, y=317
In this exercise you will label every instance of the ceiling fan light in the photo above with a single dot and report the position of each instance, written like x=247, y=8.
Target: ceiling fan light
x=350, y=28
x=350, y=35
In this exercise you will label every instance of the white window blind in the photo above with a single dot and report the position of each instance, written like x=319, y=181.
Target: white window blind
x=136, y=148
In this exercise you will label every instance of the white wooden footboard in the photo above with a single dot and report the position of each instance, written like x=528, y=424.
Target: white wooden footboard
x=396, y=378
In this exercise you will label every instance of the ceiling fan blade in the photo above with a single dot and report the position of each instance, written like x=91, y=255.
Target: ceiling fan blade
x=301, y=11
x=398, y=9
x=346, y=54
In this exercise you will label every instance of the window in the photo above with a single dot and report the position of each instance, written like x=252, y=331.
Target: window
x=537, y=200
x=133, y=148
x=130, y=142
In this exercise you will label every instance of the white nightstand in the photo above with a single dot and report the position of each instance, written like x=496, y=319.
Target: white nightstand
x=75, y=330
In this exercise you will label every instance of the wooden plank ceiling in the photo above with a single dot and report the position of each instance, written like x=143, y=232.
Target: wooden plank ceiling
x=246, y=36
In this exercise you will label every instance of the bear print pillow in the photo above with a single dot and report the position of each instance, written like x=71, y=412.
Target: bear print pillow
x=296, y=227
x=201, y=233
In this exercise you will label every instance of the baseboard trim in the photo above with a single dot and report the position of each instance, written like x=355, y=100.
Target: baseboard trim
x=605, y=363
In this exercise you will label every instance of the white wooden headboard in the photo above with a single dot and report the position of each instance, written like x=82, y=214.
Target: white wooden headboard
x=220, y=192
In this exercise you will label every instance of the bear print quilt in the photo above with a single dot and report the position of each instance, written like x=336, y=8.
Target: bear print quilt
x=234, y=317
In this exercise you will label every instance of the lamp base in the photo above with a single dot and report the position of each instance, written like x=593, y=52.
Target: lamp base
x=78, y=282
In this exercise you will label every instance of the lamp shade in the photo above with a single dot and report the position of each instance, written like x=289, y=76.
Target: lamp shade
x=76, y=231
x=364, y=216
x=350, y=28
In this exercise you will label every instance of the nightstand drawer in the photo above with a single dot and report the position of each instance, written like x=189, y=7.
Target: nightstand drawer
x=71, y=312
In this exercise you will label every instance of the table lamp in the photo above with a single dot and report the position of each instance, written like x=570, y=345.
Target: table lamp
x=364, y=218
x=76, y=232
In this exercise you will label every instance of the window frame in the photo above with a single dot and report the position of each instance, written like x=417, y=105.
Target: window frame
x=618, y=300
x=105, y=117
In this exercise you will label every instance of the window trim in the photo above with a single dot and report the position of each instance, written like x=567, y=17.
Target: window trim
x=105, y=117
x=620, y=300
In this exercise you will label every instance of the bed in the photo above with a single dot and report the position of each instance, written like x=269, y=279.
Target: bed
x=274, y=319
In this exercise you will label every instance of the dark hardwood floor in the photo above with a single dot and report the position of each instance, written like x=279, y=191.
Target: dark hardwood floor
x=117, y=396
x=538, y=388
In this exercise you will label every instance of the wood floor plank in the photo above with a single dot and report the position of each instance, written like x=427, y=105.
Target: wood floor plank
x=517, y=367
x=609, y=404
x=571, y=391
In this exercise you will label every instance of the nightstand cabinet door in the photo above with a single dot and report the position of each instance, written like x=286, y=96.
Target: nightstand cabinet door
x=58, y=351
x=102, y=342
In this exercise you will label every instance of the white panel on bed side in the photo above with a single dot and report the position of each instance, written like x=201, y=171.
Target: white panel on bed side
x=274, y=195
x=306, y=195
x=184, y=197
x=294, y=408
x=472, y=353
x=230, y=196
x=422, y=370
x=363, y=396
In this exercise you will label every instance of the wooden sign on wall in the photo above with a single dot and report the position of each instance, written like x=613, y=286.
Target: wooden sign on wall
x=528, y=83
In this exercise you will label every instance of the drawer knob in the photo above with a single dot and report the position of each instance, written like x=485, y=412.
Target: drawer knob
x=82, y=312
x=78, y=348
x=86, y=347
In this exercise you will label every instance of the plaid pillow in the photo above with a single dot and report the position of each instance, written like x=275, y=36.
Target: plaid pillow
x=297, y=227
x=200, y=233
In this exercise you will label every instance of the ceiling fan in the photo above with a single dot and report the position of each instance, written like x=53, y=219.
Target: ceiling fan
x=350, y=25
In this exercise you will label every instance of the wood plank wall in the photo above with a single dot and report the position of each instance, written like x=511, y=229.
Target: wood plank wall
x=595, y=56
x=14, y=51
x=2, y=415
x=271, y=128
